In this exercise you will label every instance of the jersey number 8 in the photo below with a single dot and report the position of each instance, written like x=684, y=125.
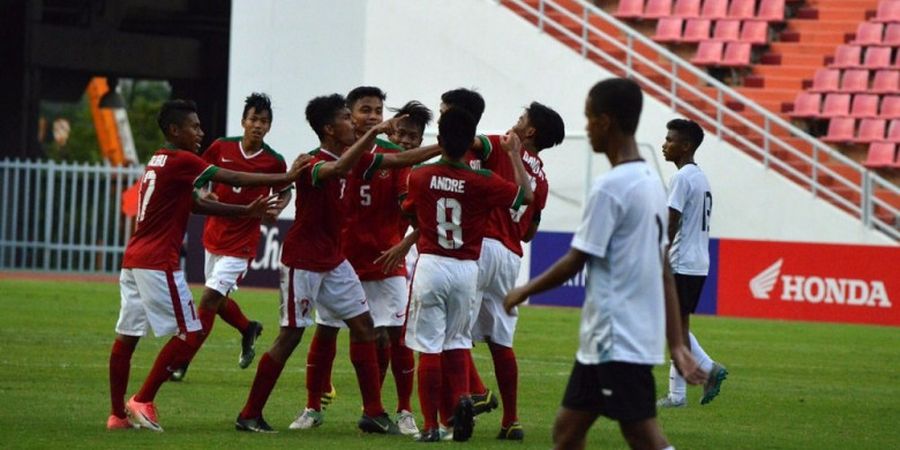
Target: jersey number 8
x=449, y=229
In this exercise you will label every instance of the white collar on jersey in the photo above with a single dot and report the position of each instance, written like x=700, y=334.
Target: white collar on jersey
x=246, y=156
x=322, y=149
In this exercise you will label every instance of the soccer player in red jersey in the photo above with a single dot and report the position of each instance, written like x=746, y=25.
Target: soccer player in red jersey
x=452, y=203
x=154, y=292
x=315, y=273
x=231, y=242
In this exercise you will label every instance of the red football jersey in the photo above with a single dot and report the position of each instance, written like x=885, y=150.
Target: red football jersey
x=164, y=205
x=313, y=242
x=452, y=202
x=507, y=225
x=375, y=222
x=238, y=236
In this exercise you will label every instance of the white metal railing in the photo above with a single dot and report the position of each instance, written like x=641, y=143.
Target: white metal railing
x=63, y=216
x=675, y=87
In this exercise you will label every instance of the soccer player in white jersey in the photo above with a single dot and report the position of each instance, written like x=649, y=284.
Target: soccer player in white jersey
x=630, y=299
x=690, y=208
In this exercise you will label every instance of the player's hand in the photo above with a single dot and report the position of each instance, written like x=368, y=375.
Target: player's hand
x=262, y=206
x=687, y=366
x=299, y=164
x=392, y=258
x=513, y=298
x=510, y=142
x=388, y=126
x=208, y=195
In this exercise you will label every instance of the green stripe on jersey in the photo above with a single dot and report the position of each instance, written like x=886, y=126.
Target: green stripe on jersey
x=520, y=197
x=376, y=163
x=486, y=147
x=205, y=176
x=388, y=145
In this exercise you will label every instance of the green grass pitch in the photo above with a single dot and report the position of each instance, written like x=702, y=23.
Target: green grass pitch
x=792, y=385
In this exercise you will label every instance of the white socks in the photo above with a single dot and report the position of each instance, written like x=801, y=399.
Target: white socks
x=706, y=363
x=677, y=385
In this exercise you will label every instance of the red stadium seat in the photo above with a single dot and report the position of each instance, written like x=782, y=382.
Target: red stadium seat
x=891, y=35
x=877, y=57
x=709, y=53
x=888, y=11
x=894, y=131
x=656, y=9
x=668, y=29
x=890, y=107
x=755, y=32
x=714, y=9
x=742, y=9
x=847, y=56
x=826, y=80
x=737, y=54
x=886, y=82
x=868, y=33
x=686, y=8
x=696, y=30
x=871, y=130
x=864, y=105
x=836, y=105
x=807, y=104
x=855, y=80
x=771, y=10
x=880, y=155
x=841, y=129
x=630, y=9
x=727, y=30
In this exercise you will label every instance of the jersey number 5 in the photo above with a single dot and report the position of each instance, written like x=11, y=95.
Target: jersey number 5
x=148, y=184
x=449, y=223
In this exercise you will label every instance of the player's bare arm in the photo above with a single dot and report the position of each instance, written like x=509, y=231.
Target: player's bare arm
x=565, y=268
x=208, y=204
x=283, y=199
x=674, y=223
x=680, y=354
x=511, y=144
x=236, y=178
x=394, y=256
x=410, y=157
x=343, y=165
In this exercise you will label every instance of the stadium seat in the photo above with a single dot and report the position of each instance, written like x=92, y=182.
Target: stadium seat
x=696, y=30
x=893, y=134
x=686, y=8
x=714, y=9
x=888, y=11
x=868, y=33
x=841, y=129
x=890, y=107
x=807, y=104
x=737, y=54
x=877, y=57
x=855, y=80
x=630, y=9
x=847, y=56
x=657, y=9
x=871, y=130
x=826, y=80
x=742, y=9
x=886, y=82
x=836, y=105
x=771, y=10
x=864, y=105
x=709, y=53
x=727, y=30
x=668, y=29
x=755, y=32
x=880, y=155
x=891, y=35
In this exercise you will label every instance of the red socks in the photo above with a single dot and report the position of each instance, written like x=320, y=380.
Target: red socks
x=231, y=313
x=384, y=359
x=119, y=368
x=507, y=370
x=403, y=368
x=267, y=374
x=365, y=361
x=318, y=370
x=476, y=386
x=455, y=367
x=430, y=388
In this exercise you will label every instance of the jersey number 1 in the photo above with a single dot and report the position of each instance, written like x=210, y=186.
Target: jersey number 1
x=449, y=229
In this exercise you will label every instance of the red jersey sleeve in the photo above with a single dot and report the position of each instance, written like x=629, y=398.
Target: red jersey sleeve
x=211, y=155
x=500, y=193
x=194, y=169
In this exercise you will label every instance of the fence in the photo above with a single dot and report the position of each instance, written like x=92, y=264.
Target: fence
x=63, y=216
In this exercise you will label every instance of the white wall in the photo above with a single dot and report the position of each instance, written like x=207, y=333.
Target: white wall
x=417, y=49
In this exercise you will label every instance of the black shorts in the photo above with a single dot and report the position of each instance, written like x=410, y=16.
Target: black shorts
x=689, y=289
x=621, y=391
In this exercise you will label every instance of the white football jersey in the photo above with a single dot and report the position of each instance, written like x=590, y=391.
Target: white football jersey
x=624, y=232
x=689, y=194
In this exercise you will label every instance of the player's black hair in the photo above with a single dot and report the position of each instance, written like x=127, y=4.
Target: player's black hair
x=364, y=91
x=549, y=127
x=174, y=112
x=467, y=99
x=321, y=111
x=259, y=102
x=687, y=130
x=456, y=129
x=416, y=113
x=620, y=99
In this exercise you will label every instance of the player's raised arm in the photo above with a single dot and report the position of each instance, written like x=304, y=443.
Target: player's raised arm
x=512, y=144
x=410, y=157
x=236, y=178
x=349, y=158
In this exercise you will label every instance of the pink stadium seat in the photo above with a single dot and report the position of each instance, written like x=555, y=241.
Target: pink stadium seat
x=868, y=33
x=877, y=57
x=709, y=53
x=755, y=32
x=880, y=155
x=742, y=9
x=737, y=54
x=686, y=8
x=864, y=105
x=836, y=105
x=696, y=30
x=826, y=80
x=841, y=129
x=855, y=80
x=714, y=9
x=771, y=10
x=888, y=11
x=727, y=30
x=891, y=35
x=656, y=9
x=871, y=130
x=630, y=9
x=894, y=131
x=668, y=29
x=890, y=107
x=807, y=104
x=886, y=82
x=847, y=56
